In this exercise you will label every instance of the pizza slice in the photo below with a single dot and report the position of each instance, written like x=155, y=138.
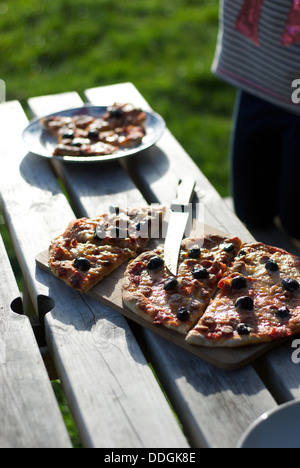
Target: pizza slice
x=123, y=115
x=90, y=249
x=122, y=126
x=258, y=300
x=153, y=293
x=83, y=147
x=58, y=125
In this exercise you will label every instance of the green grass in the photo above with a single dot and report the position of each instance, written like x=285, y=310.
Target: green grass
x=164, y=47
x=64, y=408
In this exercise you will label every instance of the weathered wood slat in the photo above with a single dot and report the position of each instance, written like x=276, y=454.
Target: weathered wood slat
x=189, y=394
x=280, y=370
x=107, y=381
x=214, y=406
x=30, y=417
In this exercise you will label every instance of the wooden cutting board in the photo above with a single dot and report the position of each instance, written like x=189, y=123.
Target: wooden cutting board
x=109, y=292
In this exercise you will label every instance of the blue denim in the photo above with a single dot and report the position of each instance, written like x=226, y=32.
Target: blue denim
x=265, y=164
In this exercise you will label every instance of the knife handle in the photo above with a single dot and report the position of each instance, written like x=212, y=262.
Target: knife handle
x=185, y=193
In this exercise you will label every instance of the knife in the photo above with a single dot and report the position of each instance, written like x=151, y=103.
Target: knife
x=179, y=217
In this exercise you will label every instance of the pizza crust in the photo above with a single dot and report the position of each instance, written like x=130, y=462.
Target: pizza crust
x=196, y=338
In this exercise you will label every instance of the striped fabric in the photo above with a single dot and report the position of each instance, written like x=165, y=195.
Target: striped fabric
x=259, y=49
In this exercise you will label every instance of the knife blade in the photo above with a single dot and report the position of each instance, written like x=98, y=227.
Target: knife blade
x=179, y=217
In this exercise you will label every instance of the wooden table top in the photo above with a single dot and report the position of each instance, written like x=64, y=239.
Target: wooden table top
x=126, y=386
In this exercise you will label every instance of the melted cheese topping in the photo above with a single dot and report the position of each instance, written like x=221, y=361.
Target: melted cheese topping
x=105, y=241
x=264, y=287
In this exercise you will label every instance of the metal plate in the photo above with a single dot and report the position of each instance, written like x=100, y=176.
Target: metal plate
x=278, y=428
x=40, y=142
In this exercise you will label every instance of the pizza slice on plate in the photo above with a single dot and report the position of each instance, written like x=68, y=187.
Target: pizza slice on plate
x=121, y=126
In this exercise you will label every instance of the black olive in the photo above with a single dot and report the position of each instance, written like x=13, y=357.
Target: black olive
x=155, y=263
x=170, y=284
x=290, y=284
x=239, y=282
x=200, y=273
x=82, y=264
x=243, y=329
x=229, y=248
x=93, y=134
x=272, y=266
x=244, y=302
x=68, y=134
x=282, y=313
x=116, y=113
x=182, y=314
x=241, y=252
x=194, y=252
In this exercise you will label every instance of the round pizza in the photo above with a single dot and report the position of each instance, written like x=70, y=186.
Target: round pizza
x=177, y=302
x=225, y=293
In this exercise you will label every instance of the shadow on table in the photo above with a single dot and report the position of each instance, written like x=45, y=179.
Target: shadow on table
x=71, y=313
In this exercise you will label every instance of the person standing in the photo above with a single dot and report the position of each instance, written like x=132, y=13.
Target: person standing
x=258, y=52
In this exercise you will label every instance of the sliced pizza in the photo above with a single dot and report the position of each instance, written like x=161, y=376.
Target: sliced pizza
x=258, y=300
x=90, y=249
x=153, y=293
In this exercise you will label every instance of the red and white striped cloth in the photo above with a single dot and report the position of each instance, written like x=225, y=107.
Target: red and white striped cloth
x=259, y=48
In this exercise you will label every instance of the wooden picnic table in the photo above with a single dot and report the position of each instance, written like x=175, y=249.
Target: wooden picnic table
x=126, y=386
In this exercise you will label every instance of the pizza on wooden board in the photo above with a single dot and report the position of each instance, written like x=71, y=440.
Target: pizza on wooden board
x=251, y=296
x=122, y=126
x=226, y=293
x=90, y=249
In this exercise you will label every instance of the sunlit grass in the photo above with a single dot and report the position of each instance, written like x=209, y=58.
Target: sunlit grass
x=165, y=48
